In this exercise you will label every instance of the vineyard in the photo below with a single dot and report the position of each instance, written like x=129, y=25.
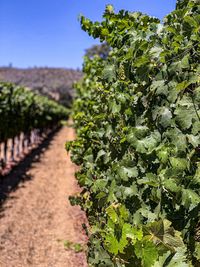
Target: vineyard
x=36, y=179
x=137, y=117
x=25, y=118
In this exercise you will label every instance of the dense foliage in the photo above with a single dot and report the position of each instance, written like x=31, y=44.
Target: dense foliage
x=21, y=110
x=137, y=116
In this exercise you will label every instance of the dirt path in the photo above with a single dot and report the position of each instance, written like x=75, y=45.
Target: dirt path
x=37, y=217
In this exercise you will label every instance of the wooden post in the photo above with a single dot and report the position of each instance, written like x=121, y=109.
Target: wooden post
x=5, y=151
x=18, y=146
x=23, y=142
x=13, y=149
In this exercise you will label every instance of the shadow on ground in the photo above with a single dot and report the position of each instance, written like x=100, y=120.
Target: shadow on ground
x=19, y=173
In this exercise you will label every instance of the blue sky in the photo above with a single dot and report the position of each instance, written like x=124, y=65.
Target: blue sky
x=47, y=32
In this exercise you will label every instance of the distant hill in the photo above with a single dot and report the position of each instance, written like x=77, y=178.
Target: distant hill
x=55, y=83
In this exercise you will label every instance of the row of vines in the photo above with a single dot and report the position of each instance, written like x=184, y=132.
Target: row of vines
x=23, y=111
x=137, y=116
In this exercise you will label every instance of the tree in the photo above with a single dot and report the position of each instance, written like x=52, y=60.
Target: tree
x=101, y=50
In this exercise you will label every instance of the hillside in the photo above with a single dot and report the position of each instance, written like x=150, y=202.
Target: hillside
x=56, y=83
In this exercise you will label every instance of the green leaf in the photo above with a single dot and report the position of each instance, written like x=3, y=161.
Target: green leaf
x=125, y=173
x=171, y=185
x=140, y=61
x=112, y=244
x=116, y=246
x=132, y=233
x=100, y=154
x=196, y=127
x=114, y=107
x=191, y=21
x=163, y=154
x=109, y=73
x=150, y=179
x=130, y=191
x=147, y=144
x=112, y=213
x=179, y=259
x=109, y=9
x=185, y=61
x=161, y=233
x=162, y=260
x=177, y=139
x=194, y=140
x=124, y=213
x=196, y=178
x=147, y=252
x=183, y=85
x=179, y=164
x=184, y=117
x=99, y=185
x=190, y=199
x=197, y=251
x=165, y=117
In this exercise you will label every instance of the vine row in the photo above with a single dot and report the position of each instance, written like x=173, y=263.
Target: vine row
x=24, y=118
x=137, y=116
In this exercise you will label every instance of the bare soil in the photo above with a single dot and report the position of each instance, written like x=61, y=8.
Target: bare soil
x=36, y=218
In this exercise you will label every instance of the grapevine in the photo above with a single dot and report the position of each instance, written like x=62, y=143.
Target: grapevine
x=137, y=116
x=23, y=111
